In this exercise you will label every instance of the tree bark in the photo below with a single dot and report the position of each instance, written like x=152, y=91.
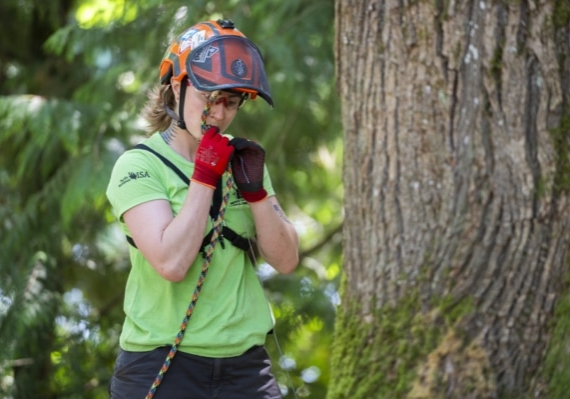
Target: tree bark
x=456, y=180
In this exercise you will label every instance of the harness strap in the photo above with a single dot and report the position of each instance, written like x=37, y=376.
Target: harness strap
x=226, y=233
x=230, y=235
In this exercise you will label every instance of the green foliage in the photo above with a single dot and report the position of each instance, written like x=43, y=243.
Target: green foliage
x=73, y=77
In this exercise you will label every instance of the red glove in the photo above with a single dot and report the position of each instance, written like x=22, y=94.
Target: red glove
x=212, y=158
x=248, y=167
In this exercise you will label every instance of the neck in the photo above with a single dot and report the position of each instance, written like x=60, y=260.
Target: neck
x=181, y=141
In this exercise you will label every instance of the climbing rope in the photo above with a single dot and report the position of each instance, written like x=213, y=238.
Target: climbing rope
x=208, y=258
x=209, y=251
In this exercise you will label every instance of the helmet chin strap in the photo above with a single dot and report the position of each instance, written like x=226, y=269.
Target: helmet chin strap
x=183, y=86
x=179, y=121
x=180, y=117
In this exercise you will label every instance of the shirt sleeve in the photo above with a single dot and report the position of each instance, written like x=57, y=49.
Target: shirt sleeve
x=135, y=179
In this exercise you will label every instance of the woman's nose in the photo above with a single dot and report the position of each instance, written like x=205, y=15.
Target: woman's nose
x=218, y=108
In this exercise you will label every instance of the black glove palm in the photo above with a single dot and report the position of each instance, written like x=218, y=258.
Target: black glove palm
x=248, y=167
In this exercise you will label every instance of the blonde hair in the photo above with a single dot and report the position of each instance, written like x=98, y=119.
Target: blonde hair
x=154, y=110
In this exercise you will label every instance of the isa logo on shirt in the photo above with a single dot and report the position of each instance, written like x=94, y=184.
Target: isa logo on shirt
x=133, y=176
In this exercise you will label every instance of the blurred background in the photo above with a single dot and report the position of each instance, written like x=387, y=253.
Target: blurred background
x=73, y=77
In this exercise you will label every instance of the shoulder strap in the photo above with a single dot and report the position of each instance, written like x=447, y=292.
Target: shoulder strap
x=165, y=161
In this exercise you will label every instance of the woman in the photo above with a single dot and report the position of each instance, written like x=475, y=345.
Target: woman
x=206, y=75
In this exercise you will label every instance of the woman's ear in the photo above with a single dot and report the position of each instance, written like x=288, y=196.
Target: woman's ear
x=175, y=84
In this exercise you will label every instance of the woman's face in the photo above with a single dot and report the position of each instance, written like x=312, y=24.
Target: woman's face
x=222, y=110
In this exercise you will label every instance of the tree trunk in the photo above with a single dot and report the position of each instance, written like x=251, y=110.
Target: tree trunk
x=456, y=178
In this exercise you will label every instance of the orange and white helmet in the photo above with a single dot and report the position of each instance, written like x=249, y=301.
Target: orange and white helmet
x=215, y=55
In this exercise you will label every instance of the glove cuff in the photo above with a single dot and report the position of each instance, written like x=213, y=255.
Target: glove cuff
x=256, y=196
x=205, y=176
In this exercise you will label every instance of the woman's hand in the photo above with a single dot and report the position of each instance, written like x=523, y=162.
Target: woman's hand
x=247, y=167
x=212, y=157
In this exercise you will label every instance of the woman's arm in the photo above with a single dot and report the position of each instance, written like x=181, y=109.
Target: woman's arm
x=276, y=236
x=169, y=243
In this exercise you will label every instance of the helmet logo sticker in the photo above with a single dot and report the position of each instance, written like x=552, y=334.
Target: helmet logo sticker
x=203, y=54
x=191, y=39
x=239, y=68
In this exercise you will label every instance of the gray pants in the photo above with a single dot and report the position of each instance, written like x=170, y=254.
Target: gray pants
x=194, y=377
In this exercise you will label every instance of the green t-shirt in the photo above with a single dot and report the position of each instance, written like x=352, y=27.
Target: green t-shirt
x=232, y=313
